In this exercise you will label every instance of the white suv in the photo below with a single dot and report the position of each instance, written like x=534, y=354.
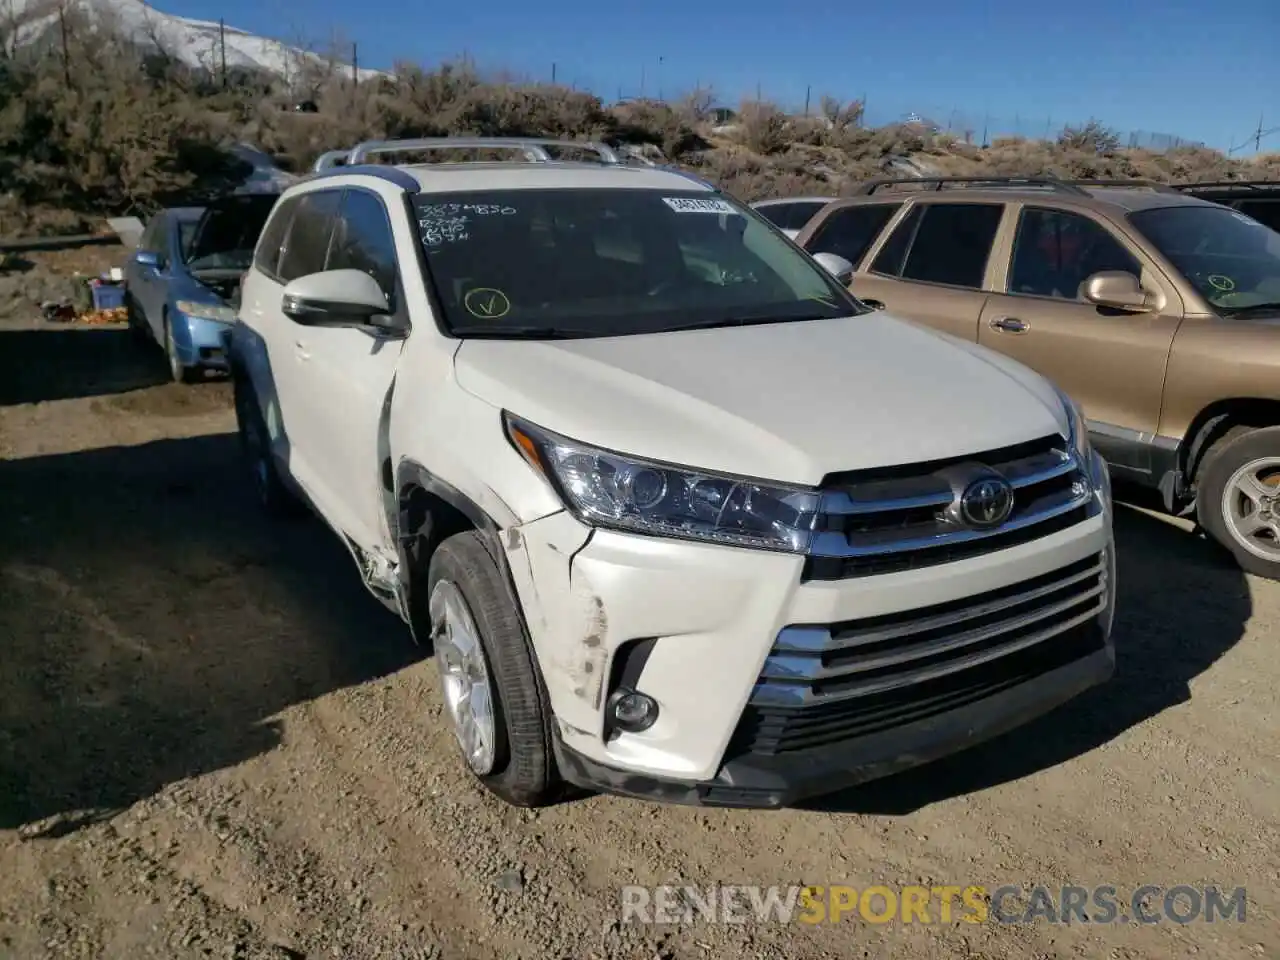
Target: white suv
x=680, y=517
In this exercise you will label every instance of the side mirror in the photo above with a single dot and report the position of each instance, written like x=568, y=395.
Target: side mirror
x=335, y=298
x=836, y=265
x=1116, y=288
x=147, y=258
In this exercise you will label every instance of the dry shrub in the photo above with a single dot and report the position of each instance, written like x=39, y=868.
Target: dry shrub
x=135, y=130
x=763, y=128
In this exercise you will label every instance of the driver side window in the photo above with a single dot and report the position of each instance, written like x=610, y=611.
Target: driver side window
x=1055, y=251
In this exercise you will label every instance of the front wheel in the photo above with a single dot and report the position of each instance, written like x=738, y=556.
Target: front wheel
x=488, y=678
x=178, y=371
x=1238, y=498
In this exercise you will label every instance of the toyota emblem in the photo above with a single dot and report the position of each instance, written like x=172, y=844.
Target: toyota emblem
x=987, y=502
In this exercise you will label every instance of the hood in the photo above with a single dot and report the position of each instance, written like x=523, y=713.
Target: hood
x=790, y=402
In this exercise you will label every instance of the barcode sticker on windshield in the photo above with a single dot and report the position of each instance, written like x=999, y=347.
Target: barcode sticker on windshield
x=696, y=205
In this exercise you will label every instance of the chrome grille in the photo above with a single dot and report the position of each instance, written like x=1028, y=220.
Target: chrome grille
x=822, y=684
x=890, y=520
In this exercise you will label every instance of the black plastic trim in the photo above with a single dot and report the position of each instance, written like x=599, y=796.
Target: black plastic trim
x=773, y=782
x=399, y=178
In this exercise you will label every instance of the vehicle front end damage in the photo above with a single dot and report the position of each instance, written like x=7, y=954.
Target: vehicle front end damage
x=697, y=673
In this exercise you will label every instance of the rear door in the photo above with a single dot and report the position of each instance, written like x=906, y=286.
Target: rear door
x=933, y=266
x=1111, y=362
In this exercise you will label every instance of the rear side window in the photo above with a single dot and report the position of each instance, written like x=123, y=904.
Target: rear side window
x=777, y=213
x=889, y=259
x=953, y=243
x=267, y=258
x=362, y=240
x=308, y=241
x=850, y=231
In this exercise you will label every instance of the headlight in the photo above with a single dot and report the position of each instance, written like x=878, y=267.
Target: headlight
x=207, y=311
x=626, y=493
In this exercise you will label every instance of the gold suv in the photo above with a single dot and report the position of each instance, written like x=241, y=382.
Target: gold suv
x=1158, y=312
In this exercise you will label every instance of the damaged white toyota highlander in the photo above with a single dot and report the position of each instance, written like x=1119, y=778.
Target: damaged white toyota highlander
x=680, y=518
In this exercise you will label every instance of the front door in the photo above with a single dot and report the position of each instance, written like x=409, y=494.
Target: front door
x=1111, y=362
x=287, y=402
x=346, y=374
x=149, y=286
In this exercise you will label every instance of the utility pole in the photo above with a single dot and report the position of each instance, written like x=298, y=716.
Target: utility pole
x=355, y=65
x=553, y=72
x=1257, y=137
x=808, y=91
x=222, y=46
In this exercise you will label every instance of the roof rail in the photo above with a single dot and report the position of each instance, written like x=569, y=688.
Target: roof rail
x=1061, y=186
x=330, y=159
x=1227, y=185
x=1132, y=184
x=533, y=148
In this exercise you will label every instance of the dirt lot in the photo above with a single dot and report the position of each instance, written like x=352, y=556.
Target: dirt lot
x=214, y=743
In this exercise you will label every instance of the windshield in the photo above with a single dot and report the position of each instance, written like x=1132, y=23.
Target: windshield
x=186, y=233
x=1232, y=259
x=611, y=262
x=225, y=237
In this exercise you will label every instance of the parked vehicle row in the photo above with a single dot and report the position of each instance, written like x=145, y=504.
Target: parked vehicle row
x=1156, y=311
x=682, y=517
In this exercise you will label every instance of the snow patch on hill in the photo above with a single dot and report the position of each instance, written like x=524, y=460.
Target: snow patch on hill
x=194, y=42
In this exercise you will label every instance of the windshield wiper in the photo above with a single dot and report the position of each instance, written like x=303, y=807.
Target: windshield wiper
x=748, y=321
x=1271, y=306
x=516, y=332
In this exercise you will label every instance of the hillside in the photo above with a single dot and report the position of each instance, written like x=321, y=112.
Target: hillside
x=194, y=43
x=112, y=128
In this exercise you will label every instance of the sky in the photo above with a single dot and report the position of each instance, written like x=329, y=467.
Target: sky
x=1198, y=70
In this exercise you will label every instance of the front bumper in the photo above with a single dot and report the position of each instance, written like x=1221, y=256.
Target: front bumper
x=771, y=782
x=204, y=343
x=701, y=629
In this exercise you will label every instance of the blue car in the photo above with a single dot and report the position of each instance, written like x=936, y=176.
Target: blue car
x=182, y=283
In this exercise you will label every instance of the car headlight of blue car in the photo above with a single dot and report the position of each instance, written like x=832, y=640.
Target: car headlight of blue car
x=207, y=311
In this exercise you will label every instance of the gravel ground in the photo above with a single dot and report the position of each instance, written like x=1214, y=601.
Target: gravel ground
x=214, y=743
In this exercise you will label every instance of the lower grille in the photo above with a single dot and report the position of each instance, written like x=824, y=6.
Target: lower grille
x=823, y=685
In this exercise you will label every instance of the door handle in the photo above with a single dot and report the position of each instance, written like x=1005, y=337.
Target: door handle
x=873, y=304
x=300, y=350
x=1010, y=325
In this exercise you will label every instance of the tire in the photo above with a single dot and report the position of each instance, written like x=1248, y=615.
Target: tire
x=522, y=770
x=178, y=372
x=273, y=495
x=1242, y=452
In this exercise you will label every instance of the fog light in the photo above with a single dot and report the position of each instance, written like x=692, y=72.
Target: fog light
x=631, y=711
